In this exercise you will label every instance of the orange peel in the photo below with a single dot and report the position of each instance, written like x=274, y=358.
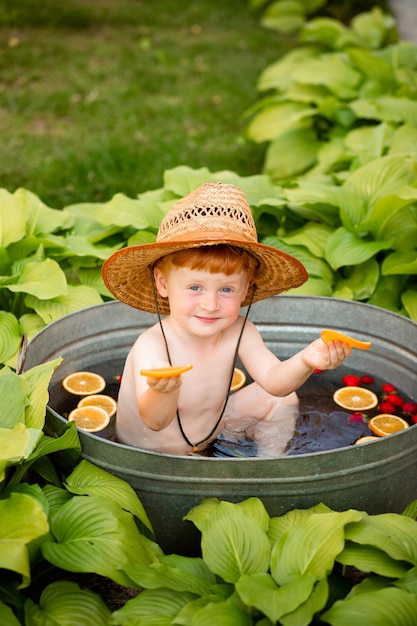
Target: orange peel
x=334, y=335
x=166, y=372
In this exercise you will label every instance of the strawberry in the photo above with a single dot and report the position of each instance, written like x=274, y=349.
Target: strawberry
x=388, y=388
x=350, y=380
x=410, y=408
x=395, y=400
x=317, y=371
x=414, y=419
x=356, y=417
x=386, y=407
x=367, y=380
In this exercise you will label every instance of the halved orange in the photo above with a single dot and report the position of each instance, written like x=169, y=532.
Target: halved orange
x=107, y=403
x=166, y=372
x=387, y=424
x=83, y=383
x=355, y=398
x=333, y=335
x=366, y=439
x=89, y=418
x=238, y=380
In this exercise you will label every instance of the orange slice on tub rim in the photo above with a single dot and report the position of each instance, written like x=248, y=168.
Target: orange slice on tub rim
x=334, y=335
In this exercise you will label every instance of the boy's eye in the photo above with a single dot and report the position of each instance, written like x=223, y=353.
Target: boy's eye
x=226, y=289
x=194, y=287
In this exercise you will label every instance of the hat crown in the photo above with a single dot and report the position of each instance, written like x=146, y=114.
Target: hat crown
x=211, y=208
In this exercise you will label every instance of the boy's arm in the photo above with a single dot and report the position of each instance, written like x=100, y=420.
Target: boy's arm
x=279, y=378
x=157, y=405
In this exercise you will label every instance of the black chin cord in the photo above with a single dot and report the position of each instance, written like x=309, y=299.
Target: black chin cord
x=195, y=446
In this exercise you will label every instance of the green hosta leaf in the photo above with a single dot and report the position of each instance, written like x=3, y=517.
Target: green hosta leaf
x=16, y=444
x=13, y=392
x=314, y=201
x=381, y=177
x=141, y=237
x=304, y=614
x=260, y=591
x=402, y=262
x=369, y=559
x=144, y=213
x=279, y=75
x=44, y=279
x=233, y=543
x=389, y=215
x=199, y=514
x=278, y=525
x=222, y=614
x=65, y=604
x=255, y=509
x=276, y=119
x=157, y=607
x=78, y=297
x=7, y=616
x=373, y=67
x=408, y=582
x=88, y=479
x=369, y=142
x=394, y=534
x=387, y=294
x=81, y=246
x=330, y=32
x=361, y=281
x=312, y=287
x=332, y=72
x=31, y=324
x=173, y=572
x=312, y=236
x=284, y=16
x=183, y=179
x=315, y=267
x=91, y=277
x=310, y=546
x=22, y=520
x=373, y=26
x=300, y=146
x=411, y=510
x=404, y=139
x=402, y=226
x=38, y=379
x=13, y=217
x=345, y=248
x=10, y=336
x=386, y=109
x=94, y=534
x=409, y=300
x=389, y=607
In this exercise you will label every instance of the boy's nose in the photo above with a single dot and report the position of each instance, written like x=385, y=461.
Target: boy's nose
x=209, y=302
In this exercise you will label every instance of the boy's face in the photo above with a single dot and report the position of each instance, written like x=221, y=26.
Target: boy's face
x=202, y=303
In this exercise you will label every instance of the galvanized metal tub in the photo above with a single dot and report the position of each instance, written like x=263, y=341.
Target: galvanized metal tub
x=376, y=477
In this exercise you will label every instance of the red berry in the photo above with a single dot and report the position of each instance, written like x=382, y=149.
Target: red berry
x=388, y=388
x=414, y=419
x=386, y=407
x=356, y=417
x=395, y=400
x=350, y=380
x=119, y=378
x=409, y=407
x=317, y=371
x=367, y=380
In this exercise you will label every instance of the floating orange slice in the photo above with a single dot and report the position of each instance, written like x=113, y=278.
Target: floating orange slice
x=238, y=380
x=334, y=335
x=355, y=398
x=83, y=383
x=387, y=424
x=107, y=403
x=166, y=372
x=89, y=418
x=366, y=439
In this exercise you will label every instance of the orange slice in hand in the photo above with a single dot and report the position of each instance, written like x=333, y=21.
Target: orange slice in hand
x=238, y=380
x=84, y=383
x=387, y=424
x=107, y=403
x=89, y=418
x=355, y=398
x=334, y=335
x=166, y=372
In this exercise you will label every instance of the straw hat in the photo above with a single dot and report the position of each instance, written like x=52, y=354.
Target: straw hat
x=214, y=213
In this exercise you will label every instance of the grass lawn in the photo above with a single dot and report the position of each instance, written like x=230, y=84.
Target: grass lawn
x=101, y=96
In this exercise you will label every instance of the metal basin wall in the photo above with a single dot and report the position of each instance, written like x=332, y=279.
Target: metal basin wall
x=377, y=477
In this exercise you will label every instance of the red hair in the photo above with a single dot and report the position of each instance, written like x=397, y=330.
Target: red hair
x=216, y=259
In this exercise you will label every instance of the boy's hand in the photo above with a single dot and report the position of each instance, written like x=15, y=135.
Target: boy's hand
x=164, y=383
x=319, y=355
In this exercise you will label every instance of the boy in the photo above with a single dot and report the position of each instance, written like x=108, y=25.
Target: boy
x=205, y=265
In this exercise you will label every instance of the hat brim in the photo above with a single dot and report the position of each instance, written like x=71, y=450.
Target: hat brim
x=128, y=272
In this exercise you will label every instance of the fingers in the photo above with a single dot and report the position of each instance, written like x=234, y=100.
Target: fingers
x=164, y=385
x=338, y=351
